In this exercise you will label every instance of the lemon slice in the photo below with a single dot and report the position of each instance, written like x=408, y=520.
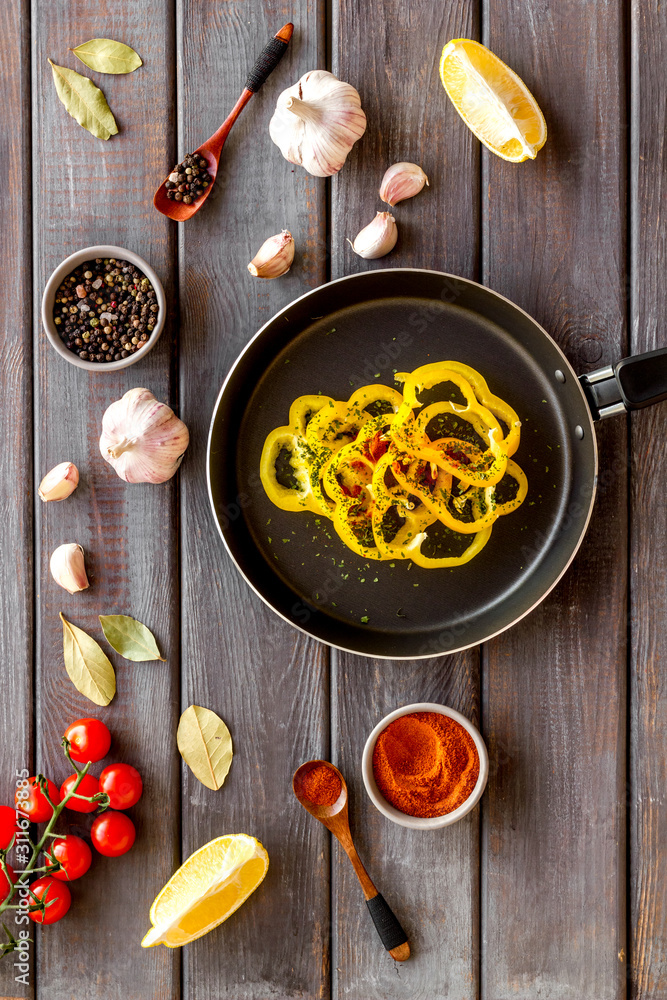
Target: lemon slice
x=206, y=889
x=492, y=100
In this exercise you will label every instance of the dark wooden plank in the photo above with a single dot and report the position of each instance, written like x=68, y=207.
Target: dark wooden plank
x=16, y=548
x=648, y=506
x=430, y=878
x=553, y=899
x=86, y=192
x=267, y=681
x=390, y=52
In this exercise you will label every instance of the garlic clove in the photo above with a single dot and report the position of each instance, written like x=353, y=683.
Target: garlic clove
x=377, y=238
x=317, y=122
x=401, y=181
x=68, y=568
x=60, y=482
x=142, y=438
x=274, y=257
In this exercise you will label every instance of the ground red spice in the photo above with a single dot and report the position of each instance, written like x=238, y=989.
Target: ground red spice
x=425, y=764
x=321, y=785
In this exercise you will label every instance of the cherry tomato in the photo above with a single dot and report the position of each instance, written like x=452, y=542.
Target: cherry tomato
x=123, y=785
x=34, y=804
x=4, y=884
x=57, y=897
x=89, y=786
x=112, y=833
x=90, y=740
x=73, y=854
x=8, y=826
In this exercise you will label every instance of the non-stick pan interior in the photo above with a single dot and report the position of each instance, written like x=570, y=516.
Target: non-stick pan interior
x=362, y=330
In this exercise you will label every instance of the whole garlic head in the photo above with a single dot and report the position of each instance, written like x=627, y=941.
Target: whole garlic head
x=68, y=568
x=142, y=438
x=317, y=122
x=401, y=181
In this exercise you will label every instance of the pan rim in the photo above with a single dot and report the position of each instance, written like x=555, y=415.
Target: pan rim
x=567, y=366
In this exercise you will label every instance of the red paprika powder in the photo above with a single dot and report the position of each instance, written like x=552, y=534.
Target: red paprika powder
x=321, y=785
x=425, y=764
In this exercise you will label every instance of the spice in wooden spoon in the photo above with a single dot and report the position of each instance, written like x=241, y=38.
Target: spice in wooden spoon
x=321, y=790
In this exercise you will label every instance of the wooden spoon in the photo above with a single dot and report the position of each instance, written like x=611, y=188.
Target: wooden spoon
x=212, y=148
x=335, y=818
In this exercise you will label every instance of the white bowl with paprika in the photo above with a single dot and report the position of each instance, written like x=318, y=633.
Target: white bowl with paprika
x=425, y=766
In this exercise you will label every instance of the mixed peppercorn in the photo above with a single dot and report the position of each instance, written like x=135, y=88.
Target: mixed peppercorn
x=188, y=180
x=105, y=310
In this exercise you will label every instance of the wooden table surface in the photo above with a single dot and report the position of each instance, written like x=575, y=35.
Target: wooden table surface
x=555, y=887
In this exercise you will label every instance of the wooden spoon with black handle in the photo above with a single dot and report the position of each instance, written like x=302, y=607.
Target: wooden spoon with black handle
x=211, y=150
x=335, y=818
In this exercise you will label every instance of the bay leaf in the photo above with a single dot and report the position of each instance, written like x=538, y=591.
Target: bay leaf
x=130, y=638
x=89, y=668
x=84, y=101
x=106, y=56
x=205, y=745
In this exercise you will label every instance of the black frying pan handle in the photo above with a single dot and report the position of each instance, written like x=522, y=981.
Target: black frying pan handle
x=631, y=384
x=386, y=923
x=269, y=58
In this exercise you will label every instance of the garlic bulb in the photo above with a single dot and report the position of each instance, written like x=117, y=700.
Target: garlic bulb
x=274, y=257
x=143, y=439
x=377, y=238
x=68, y=568
x=401, y=181
x=317, y=122
x=59, y=482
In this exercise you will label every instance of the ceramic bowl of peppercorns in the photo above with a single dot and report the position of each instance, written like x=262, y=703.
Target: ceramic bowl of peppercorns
x=425, y=766
x=103, y=308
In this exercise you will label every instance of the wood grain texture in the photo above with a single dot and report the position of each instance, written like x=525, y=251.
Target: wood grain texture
x=550, y=869
x=648, y=526
x=16, y=525
x=390, y=53
x=553, y=890
x=266, y=681
x=429, y=878
x=88, y=192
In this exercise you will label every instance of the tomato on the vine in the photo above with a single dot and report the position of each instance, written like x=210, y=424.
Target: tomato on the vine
x=123, y=784
x=8, y=826
x=73, y=854
x=31, y=801
x=57, y=897
x=89, y=740
x=4, y=883
x=113, y=833
x=88, y=786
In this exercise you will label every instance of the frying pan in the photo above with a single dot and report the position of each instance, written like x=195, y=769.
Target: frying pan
x=360, y=330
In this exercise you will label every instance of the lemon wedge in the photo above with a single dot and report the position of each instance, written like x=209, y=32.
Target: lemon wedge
x=206, y=889
x=492, y=100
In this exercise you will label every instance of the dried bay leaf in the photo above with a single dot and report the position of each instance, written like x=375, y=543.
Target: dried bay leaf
x=84, y=101
x=130, y=638
x=205, y=745
x=106, y=56
x=89, y=668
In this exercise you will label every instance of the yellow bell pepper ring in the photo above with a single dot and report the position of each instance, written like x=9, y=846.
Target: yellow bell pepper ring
x=295, y=497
